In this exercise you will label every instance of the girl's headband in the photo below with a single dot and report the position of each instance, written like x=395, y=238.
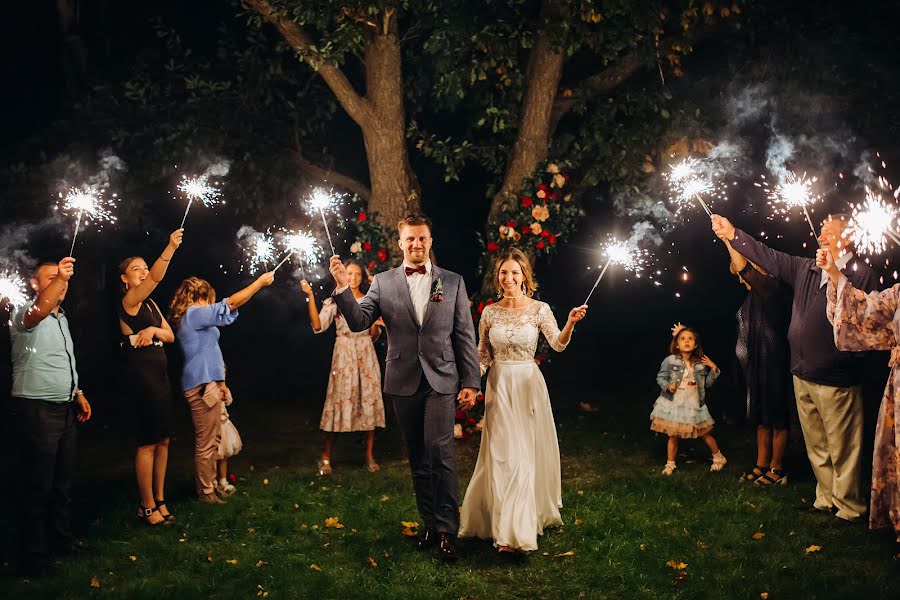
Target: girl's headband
x=677, y=328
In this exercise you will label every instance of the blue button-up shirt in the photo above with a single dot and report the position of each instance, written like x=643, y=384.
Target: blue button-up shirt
x=198, y=336
x=43, y=358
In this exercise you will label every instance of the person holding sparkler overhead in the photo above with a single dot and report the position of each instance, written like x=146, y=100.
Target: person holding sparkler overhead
x=515, y=490
x=871, y=321
x=353, y=401
x=826, y=380
x=431, y=363
x=197, y=317
x=144, y=331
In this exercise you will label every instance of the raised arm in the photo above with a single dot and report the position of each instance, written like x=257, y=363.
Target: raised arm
x=737, y=259
x=557, y=339
x=240, y=298
x=777, y=264
x=311, y=306
x=52, y=295
x=134, y=296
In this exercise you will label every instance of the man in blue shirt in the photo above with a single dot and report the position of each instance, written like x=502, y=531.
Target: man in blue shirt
x=46, y=403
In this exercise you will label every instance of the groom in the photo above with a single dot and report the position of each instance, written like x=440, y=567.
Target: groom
x=431, y=361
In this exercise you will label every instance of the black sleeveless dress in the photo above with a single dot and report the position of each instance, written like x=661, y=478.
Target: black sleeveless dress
x=147, y=377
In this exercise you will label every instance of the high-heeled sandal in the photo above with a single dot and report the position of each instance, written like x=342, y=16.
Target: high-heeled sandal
x=324, y=467
x=753, y=475
x=372, y=466
x=144, y=514
x=168, y=517
x=780, y=478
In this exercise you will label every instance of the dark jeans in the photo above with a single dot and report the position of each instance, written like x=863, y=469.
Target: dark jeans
x=426, y=419
x=46, y=438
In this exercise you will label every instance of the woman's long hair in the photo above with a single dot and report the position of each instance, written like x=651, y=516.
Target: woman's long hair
x=190, y=291
x=364, y=280
x=529, y=285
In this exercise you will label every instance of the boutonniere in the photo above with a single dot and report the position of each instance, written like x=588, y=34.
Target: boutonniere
x=437, y=290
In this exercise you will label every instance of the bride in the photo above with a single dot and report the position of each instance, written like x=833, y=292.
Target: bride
x=515, y=490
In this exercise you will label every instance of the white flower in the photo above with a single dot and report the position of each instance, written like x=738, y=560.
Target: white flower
x=355, y=247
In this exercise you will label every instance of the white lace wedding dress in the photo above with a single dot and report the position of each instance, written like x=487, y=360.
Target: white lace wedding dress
x=515, y=491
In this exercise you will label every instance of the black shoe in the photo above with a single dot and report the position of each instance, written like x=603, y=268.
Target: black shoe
x=837, y=523
x=447, y=547
x=427, y=539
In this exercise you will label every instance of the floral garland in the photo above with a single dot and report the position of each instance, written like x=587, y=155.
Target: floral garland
x=371, y=242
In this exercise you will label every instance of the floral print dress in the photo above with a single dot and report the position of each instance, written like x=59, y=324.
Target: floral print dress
x=872, y=322
x=353, y=401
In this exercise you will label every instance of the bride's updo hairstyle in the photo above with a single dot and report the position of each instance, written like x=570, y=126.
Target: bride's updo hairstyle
x=529, y=285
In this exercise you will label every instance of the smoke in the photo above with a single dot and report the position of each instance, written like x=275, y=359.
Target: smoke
x=219, y=168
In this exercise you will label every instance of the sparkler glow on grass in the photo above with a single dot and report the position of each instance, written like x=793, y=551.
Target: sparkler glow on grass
x=12, y=288
x=320, y=201
x=88, y=203
x=793, y=192
x=198, y=188
x=303, y=245
x=689, y=183
x=872, y=223
x=625, y=254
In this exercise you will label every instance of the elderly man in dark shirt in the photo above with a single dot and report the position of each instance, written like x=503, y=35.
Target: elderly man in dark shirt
x=826, y=381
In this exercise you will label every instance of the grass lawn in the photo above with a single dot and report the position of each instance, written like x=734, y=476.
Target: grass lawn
x=629, y=532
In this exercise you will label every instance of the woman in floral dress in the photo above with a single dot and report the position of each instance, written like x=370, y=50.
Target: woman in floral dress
x=872, y=322
x=353, y=401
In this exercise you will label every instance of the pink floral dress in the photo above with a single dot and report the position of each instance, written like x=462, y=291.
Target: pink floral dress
x=872, y=322
x=353, y=401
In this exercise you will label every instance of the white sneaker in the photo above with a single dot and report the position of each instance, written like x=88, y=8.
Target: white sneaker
x=669, y=468
x=225, y=489
x=719, y=462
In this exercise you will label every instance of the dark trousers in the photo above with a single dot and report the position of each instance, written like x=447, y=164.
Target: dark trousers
x=426, y=419
x=46, y=438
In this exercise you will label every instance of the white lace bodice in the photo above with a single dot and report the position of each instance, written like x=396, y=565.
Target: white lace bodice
x=512, y=333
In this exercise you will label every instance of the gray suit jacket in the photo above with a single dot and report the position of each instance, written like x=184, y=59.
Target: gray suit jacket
x=443, y=347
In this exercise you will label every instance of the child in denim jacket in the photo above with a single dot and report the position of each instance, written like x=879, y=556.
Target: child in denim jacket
x=680, y=411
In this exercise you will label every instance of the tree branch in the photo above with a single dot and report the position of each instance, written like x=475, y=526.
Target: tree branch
x=355, y=105
x=317, y=172
x=600, y=83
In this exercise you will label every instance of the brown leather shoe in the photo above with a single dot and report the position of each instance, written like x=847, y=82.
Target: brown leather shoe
x=447, y=547
x=210, y=499
x=427, y=540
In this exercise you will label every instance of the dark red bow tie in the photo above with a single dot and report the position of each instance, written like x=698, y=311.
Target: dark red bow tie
x=420, y=269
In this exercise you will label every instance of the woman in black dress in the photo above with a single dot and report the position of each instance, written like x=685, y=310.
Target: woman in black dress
x=144, y=331
x=762, y=351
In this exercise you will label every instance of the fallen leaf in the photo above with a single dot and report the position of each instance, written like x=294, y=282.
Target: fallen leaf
x=231, y=561
x=677, y=565
x=409, y=523
x=315, y=526
x=409, y=532
x=569, y=553
x=303, y=526
x=296, y=505
x=182, y=540
x=579, y=522
x=581, y=492
x=764, y=595
x=251, y=530
x=702, y=545
x=643, y=546
x=132, y=558
x=261, y=563
x=265, y=482
x=95, y=583
x=333, y=522
x=759, y=535
x=385, y=498
x=209, y=557
x=371, y=562
x=813, y=548
x=315, y=567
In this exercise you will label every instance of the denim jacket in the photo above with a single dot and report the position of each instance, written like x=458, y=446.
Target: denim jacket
x=672, y=370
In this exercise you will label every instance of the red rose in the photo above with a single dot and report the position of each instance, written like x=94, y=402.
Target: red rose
x=552, y=239
x=525, y=229
x=492, y=247
x=466, y=435
x=372, y=266
x=362, y=216
x=471, y=421
x=553, y=196
x=460, y=415
x=367, y=246
x=542, y=188
x=527, y=201
x=480, y=308
x=510, y=223
x=382, y=254
x=545, y=233
x=481, y=396
x=232, y=478
x=539, y=245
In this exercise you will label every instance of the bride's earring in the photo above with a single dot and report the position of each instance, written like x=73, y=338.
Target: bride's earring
x=499, y=294
x=524, y=289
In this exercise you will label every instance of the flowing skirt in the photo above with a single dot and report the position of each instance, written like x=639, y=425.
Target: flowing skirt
x=515, y=491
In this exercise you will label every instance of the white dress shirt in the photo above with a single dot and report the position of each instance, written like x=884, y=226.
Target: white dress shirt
x=840, y=263
x=419, y=289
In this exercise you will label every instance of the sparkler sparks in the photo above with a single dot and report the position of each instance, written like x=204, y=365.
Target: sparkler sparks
x=321, y=200
x=689, y=182
x=790, y=193
x=258, y=246
x=625, y=254
x=872, y=223
x=88, y=203
x=198, y=188
x=303, y=245
x=12, y=287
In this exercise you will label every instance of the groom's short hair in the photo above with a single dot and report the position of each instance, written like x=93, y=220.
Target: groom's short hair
x=413, y=220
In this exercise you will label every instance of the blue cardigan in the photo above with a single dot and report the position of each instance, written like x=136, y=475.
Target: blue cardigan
x=198, y=336
x=672, y=370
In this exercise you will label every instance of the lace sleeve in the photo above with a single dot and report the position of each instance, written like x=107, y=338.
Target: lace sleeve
x=485, y=353
x=548, y=326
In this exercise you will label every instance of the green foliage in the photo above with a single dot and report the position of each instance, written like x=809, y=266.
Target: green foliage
x=371, y=240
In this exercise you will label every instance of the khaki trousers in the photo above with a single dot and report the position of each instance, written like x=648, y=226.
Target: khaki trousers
x=832, y=420
x=205, y=402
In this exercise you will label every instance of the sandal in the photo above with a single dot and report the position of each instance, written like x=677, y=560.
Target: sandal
x=757, y=472
x=324, y=467
x=718, y=463
x=780, y=478
x=162, y=504
x=372, y=466
x=669, y=468
x=144, y=514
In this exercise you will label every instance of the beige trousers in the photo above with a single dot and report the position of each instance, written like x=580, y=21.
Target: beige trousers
x=832, y=422
x=205, y=402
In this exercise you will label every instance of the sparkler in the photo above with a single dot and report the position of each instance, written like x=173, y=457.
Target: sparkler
x=688, y=184
x=198, y=188
x=320, y=201
x=794, y=192
x=89, y=204
x=871, y=223
x=303, y=245
x=625, y=254
x=12, y=287
x=259, y=248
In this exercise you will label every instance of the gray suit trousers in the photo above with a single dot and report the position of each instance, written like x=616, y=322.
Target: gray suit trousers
x=426, y=419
